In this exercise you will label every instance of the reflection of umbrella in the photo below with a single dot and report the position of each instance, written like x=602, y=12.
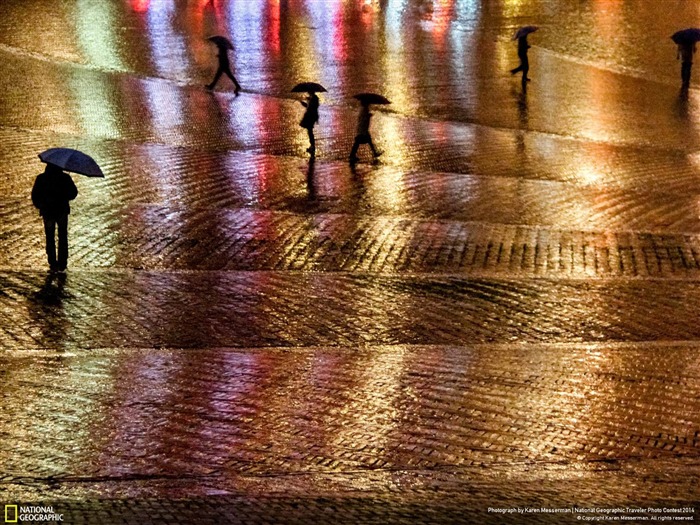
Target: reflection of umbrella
x=371, y=98
x=221, y=41
x=686, y=36
x=72, y=160
x=308, y=87
x=524, y=31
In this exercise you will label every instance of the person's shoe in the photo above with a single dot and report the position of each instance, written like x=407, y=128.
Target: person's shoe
x=378, y=154
x=53, y=268
x=311, y=150
x=209, y=87
x=237, y=90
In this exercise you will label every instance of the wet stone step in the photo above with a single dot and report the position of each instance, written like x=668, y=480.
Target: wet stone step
x=252, y=308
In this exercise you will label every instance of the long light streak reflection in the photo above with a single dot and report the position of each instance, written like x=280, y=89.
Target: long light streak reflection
x=96, y=28
x=168, y=47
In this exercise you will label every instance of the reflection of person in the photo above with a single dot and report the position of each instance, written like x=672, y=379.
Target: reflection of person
x=685, y=54
x=224, y=67
x=309, y=120
x=524, y=66
x=51, y=193
x=362, y=135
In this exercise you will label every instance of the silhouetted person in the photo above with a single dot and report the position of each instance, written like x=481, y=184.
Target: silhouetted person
x=524, y=66
x=52, y=192
x=309, y=120
x=310, y=183
x=362, y=135
x=224, y=67
x=685, y=54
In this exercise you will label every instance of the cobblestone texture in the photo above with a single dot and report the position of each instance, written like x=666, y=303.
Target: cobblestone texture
x=499, y=314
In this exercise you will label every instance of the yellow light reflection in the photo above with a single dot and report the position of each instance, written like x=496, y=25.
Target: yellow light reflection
x=372, y=416
x=515, y=8
x=588, y=174
x=398, y=78
x=95, y=104
x=388, y=187
x=558, y=410
x=97, y=28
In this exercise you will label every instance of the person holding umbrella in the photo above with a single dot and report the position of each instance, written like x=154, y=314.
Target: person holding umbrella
x=685, y=39
x=362, y=135
x=686, y=50
x=223, y=45
x=523, y=46
x=310, y=118
x=51, y=194
x=52, y=191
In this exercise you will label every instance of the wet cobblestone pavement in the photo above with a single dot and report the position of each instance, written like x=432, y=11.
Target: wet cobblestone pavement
x=498, y=316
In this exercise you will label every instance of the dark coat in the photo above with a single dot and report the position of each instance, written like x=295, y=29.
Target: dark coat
x=523, y=46
x=52, y=192
x=223, y=58
x=311, y=115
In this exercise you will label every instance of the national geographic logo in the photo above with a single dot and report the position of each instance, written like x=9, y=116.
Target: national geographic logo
x=29, y=514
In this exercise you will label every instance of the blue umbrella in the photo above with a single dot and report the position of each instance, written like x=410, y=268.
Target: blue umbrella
x=72, y=160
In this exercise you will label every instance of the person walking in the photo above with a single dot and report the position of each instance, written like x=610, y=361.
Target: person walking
x=524, y=66
x=309, y=119
x=223, y=45
x=362, y=135
x=53, y=190
x=686, y=50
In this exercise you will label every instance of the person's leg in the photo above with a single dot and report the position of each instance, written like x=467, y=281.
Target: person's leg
x=353, y=151
x=525, y=68
x=685, y=72
x=62, y=223
x=217, y=76
x=229, y=74
x=371, y=146
x=312, y=141
x=50, y=232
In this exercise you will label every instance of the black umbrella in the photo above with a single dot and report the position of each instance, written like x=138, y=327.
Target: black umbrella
x=221, y=41
x=371, y=98
x=686, y=36
x=524, y=31
x=71, y=160
x=308, y=87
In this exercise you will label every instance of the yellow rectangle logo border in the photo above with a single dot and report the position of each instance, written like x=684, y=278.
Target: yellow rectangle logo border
x=7, y=508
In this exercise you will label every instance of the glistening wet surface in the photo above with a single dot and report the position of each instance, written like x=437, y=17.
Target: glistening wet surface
x=499, y=313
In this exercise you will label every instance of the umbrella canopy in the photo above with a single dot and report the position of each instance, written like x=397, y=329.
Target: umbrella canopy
x=524, y=31
x=686, y=36
x=371, y=98
x=308, y=87
x=221, y=41
x=72, y=160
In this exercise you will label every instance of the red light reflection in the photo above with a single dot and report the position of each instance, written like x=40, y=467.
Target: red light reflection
x=140, y=6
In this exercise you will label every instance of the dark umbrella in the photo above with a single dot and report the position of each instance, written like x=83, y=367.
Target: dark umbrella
x=524, y=31
x=72, y=160
x=221, y=41
x=371, y=98
x=686, y=36
x=308, y=87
